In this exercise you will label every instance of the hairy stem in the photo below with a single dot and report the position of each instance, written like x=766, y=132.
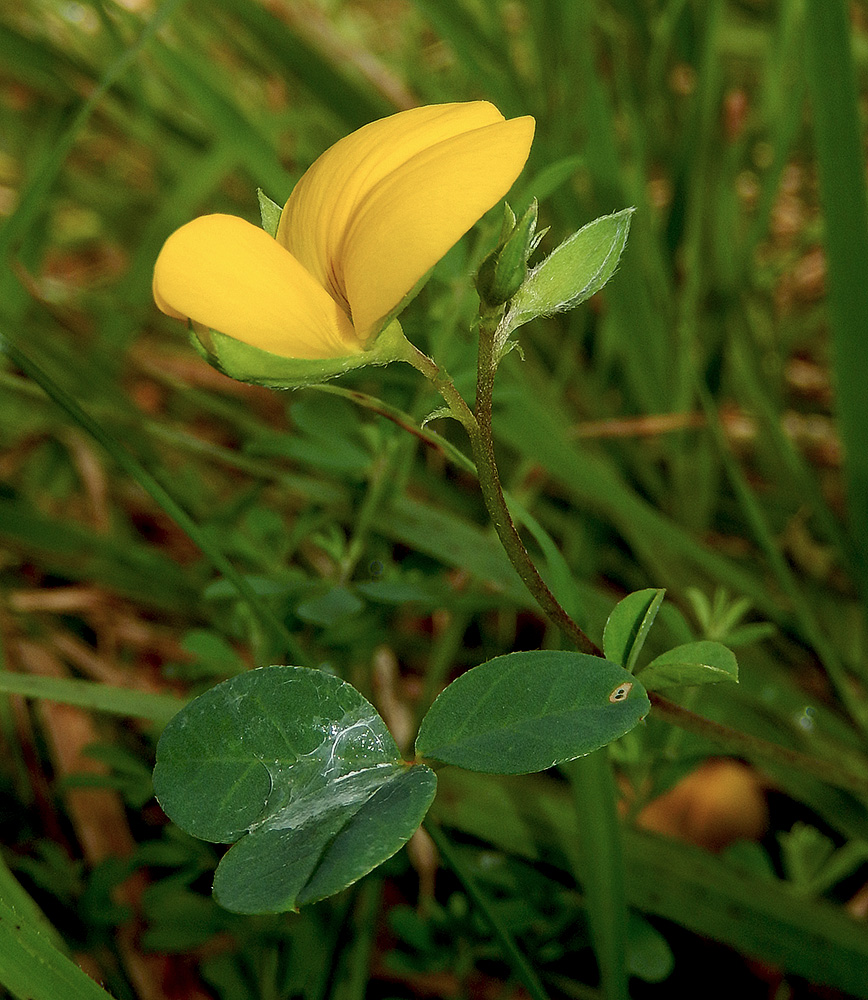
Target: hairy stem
x=492, y=492
x=478, y=427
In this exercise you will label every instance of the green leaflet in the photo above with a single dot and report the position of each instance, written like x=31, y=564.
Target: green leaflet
x=528, y=711
x=298, y=768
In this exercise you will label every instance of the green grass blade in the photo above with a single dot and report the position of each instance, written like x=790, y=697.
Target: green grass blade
x=14, y=895
x=783, y=101
x=93, y=695
x=79, y=553
x=40, y=185
x=758, y=523
x=32, y=968
x=512, y=953
x=699, y=156
x=639, y=324
x=359, y=955
x=841, y=159
x=792, y=464
x=350, y=99
x=533, y=425
x=478, y=47
x=202, y=88
x=600, y=867
x=278, y=632
x=35, y=63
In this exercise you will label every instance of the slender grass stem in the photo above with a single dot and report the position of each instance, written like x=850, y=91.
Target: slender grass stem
x=370, y=899
x=520, y=965
x=601, y=867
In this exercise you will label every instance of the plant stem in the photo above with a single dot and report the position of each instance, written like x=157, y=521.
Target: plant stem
x=441, y=381
x=520, y=965
x=754, y=748
x=600, y=868
x=478, y=427
x=489, y=480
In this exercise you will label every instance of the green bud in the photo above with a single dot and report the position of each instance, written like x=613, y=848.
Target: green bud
x=574, y=271
x=504, y=270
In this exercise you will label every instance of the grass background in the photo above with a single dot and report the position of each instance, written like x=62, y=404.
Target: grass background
x=701, y=426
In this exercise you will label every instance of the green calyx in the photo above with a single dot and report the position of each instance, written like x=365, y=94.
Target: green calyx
x=245, y=363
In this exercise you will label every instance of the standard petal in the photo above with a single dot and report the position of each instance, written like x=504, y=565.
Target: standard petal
x=418, y=211
x=231, y=276
x=325, y=201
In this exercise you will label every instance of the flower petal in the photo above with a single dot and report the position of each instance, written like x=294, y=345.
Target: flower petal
x=231, y=276
x=326, y=199
x=416, y=213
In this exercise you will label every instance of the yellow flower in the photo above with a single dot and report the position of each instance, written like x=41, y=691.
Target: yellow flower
x=361, y=229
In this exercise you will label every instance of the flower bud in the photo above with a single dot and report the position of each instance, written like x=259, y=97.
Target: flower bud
x=574, y=271
x=503, y=271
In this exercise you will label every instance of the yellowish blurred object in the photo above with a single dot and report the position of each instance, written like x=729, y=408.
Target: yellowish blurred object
x=719, y=803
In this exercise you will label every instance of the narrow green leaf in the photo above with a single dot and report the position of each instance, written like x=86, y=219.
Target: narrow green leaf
x=32, y=968
x=574, y=271
x=528, y=711
x=38, y=64
x=158, y=493
x=598, y=860
x=92, y=695
x=703, y=662
x=551, y=177
x=628, y=626
x=15, y=896
x=206, y=92
x=33, y=196
x=476, y=45
x=334, y=84
x=296, y=766
x=114, y=561
x=454, y=541
x=841, y=159
x=530, y=420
